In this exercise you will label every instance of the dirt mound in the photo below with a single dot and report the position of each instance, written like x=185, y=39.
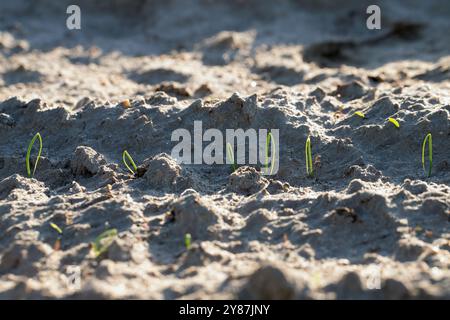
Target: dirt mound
x=369, y=222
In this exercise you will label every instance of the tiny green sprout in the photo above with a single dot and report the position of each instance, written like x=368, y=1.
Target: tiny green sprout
x=54, y=226
x=187, y=240
x=230, y=155
x=270, y=142
x=103, y=241
x=430, y=153
x=126, y=156
x=394, y=122
x=360, y=114
x=27, y=158
x=308, y=157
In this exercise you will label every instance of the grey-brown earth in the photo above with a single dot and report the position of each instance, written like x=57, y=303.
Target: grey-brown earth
x=303, y=67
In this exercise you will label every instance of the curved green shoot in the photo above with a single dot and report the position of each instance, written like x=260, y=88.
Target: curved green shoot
x=394, y=122
x=360, y=114
x=126, y=156
x=270, y=141
x=230, y=155
x=187, y=240
x=308, y=157
x=27, y=158
x=54, y=226
x=430, y=153
x=103, y=241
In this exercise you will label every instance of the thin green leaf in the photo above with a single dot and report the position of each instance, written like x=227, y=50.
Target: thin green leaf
x=27, y=158
x=126, y=156
x=395, y=122
x=54, y=226
x=230, y=155
x=187, y=240
x=360, y=114
x=103, y=241
x=308, y=157
x=430, y=153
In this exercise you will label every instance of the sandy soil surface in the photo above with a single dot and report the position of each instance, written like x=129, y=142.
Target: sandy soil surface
x=303, y=67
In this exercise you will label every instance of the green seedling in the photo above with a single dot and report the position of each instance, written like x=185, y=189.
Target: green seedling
x=430, y=153
x=187, y=240
x=103, y=241
x=394, y=122
x=360, y=114
x=308, y=157
x=126, y=156
x=27, y=158
x=230, y=155
x=57, y=244
x=54, y=226
x=270, y=142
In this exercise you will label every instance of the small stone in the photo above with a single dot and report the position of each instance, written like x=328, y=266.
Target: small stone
x=86, y=161
x=126, y=104
x=195, y=215
x=247, y=180
x=268, y=283
x=163, y=172
x=350, y=91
